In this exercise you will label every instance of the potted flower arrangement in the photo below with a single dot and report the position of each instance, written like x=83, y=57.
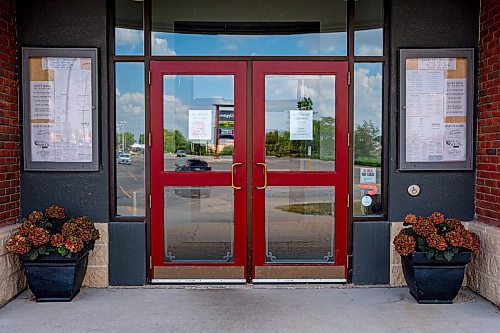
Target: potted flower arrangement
x=54, y=251
x=434, y=251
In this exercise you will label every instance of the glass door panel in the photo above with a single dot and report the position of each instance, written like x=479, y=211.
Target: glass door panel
x=300, y=224
x=198, y=122
x=197, y=171
x=300, y=152
x=300, y=122
x=199, y=224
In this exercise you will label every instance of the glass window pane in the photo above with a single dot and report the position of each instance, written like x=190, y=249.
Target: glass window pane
x=129, y=33
x=198, y=122
x=300, y=224
x=300, y=122
x=368, y=25
x=199, y=224
x=249, y=27
x=367, y=187
x=129, y=145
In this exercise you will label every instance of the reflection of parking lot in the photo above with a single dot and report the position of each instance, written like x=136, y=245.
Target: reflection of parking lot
x=130, y=187
x=130, y=178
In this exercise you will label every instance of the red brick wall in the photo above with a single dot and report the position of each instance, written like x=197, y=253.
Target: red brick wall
x=9, y=116
x=488, y=139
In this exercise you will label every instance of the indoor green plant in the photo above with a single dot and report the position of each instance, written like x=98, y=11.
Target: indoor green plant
x=54, y=250
x=434, y=251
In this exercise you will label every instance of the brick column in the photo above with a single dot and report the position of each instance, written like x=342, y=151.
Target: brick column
x=488, y=120
x=9, y=116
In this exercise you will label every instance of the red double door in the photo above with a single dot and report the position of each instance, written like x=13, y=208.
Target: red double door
x=249, y=171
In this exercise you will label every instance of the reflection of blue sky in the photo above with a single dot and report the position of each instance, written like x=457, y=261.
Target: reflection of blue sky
x=369, y=42
x=368, y=93
x=182, y=93
x=284, y=91
x=245, y=45
x=129, y=41
x=130, y=97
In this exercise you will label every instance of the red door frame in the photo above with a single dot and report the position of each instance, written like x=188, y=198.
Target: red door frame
x=338, y=178
x=161, y=178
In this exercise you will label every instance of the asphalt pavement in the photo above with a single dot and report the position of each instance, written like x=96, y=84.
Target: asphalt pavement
x=246, y=309
x=131, y=199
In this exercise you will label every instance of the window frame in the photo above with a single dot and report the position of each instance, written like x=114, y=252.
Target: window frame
x=351, y=58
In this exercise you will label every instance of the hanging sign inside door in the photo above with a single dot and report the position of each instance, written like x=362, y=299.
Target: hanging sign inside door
x=301, y=125
x=200, y=125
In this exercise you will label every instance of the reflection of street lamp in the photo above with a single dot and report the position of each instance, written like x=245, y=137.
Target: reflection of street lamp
x=122, y=125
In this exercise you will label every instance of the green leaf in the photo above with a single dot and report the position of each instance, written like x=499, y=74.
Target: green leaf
x=448, y=255
x=440, y=256
x=454, y=249
x=61, y=250
x=430, y=253
x=33, y=254
x=42, y=249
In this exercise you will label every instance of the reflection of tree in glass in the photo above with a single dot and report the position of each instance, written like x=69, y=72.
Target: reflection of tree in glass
x=305, y=103
x=322, y=146
x=141, y=139
x=126, y=138
x=367, y=144
x=173, y=141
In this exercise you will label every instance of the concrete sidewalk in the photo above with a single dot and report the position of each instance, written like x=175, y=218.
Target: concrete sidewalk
x=249, y=309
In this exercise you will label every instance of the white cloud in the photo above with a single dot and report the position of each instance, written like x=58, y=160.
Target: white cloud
x=367, y=96
x=130, y=109
x=160, y=47
x=129, y=37
x=369, y=50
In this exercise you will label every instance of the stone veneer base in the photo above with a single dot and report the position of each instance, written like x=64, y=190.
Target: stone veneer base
x=97, y=275
x=12, y=278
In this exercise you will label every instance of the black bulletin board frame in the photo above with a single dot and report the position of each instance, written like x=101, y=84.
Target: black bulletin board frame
x=405, y=54
x=29, y=163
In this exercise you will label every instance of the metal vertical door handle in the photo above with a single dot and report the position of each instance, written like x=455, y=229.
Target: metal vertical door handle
x=265, y=177
x=232, y=176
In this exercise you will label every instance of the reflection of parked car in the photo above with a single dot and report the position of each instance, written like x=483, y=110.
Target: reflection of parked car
x=193, y=191
x=181, y=153
x=192, y=164
x=124, y=158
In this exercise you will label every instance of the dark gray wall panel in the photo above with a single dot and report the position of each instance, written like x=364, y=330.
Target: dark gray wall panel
x=429, y=24
x=371, y=252
x=127, y=253
x=60, y=23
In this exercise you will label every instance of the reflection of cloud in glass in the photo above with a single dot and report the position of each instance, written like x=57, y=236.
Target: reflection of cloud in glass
x=130, y=109
x=160, y=45
x=129, y=98
x=244, y=45
x=283, y=92
x=129, y=41
x=369, y=42
x=368, y=93
x=323, y=43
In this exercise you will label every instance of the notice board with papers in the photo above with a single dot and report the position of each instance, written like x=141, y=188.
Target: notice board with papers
x=60, y=113
x=436, y=109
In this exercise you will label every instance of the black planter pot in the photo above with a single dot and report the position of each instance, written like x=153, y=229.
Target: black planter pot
x=433, y=281
x=55, y=278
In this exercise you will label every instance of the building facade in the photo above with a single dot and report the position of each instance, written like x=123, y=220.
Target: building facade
x=257, y=141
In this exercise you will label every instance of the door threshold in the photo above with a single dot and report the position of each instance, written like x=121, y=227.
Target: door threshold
x=273, y=281
x=198, y=281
